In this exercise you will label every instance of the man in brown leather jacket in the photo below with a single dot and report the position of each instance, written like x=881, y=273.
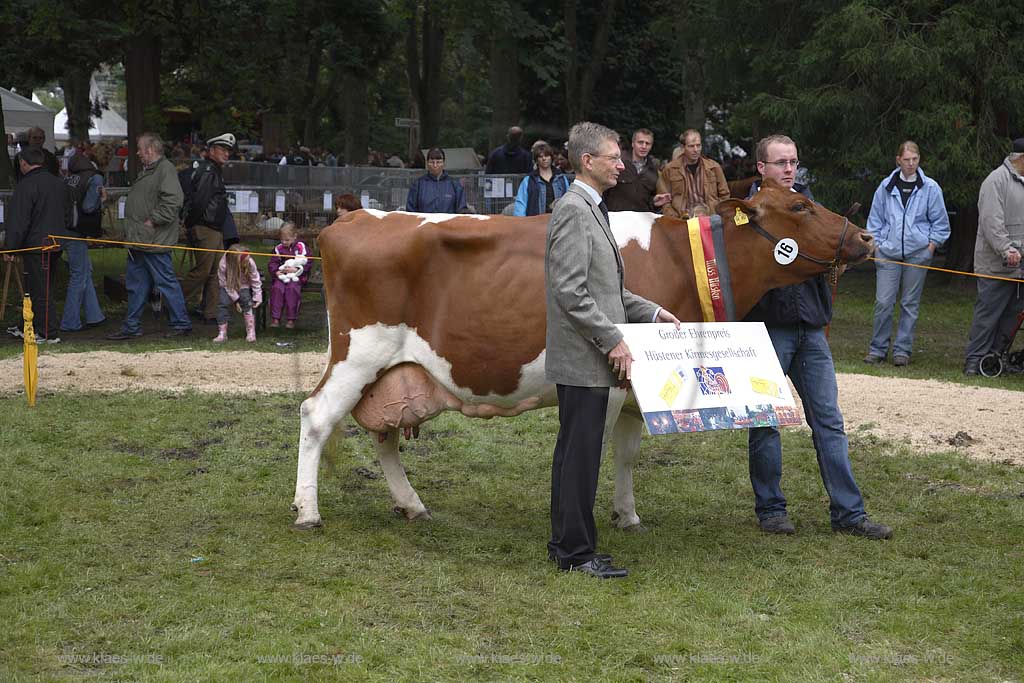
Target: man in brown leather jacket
x=692, y=179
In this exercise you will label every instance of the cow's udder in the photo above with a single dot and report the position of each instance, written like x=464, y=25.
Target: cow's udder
x=407, y=396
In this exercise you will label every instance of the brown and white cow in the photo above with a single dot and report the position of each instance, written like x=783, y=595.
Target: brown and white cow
x=434, y=312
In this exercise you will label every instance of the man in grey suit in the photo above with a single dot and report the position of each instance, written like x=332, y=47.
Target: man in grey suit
x=587, y=358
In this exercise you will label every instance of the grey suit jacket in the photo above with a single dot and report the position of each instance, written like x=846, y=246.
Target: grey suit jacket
x=585, y=294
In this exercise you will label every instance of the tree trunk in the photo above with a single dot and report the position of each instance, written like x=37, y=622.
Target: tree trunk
x=273, y=124
x=307, y=117
x=571, y=64
x=504, y=86
x=691, y=56
x=142, y=82
x=320, y=102
x=694, y=108
x=75, y=81
x=357, y=118
x=579, y=87
x=597, y=56
x=433, y=50
x=424, y=49
x=962, y=235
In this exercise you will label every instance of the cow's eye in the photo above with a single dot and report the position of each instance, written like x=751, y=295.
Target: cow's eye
x=800, y=206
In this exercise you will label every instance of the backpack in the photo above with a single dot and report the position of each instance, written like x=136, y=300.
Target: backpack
x=87, y=224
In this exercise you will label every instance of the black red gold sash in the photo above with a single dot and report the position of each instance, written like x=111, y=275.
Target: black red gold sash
x=710, y=269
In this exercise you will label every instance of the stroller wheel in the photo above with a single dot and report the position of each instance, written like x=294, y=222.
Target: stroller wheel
x=991, y=365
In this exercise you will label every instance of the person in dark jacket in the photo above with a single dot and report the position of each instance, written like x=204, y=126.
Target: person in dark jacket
x=796, y=317
x=510, y=158
x=638, y=182
x=540, y=189
x=87, y=193
x=436, y=191
x=38, y=208
x=37, y=138
x=209, y=225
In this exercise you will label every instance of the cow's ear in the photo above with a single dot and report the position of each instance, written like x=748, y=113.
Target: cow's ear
x=738, y=210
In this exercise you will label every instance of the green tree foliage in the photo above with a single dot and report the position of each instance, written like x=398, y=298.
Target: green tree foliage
x=848, y=79
x=59, y=40
x=873, y=73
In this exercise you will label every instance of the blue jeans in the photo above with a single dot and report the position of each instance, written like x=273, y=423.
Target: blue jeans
x=147, y=271
x=81, y=291
x=890, y=279
x=805, y=357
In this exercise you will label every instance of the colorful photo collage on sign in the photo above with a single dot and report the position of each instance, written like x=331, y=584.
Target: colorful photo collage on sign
x=705, y=419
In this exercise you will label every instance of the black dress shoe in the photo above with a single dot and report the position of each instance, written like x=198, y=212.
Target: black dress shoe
x=604, y=557
x=178, y=333
x=598, y=569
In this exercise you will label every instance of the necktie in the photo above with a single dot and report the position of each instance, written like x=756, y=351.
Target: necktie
x=604, y=210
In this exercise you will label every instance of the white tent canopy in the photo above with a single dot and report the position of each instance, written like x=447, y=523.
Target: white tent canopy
x=20, y=114
x=109, y=125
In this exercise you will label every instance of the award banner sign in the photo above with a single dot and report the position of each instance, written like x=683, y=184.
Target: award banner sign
x=707, y=376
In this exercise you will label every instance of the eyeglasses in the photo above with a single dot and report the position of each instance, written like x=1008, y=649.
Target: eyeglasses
x=783, y=163
x=614, y=158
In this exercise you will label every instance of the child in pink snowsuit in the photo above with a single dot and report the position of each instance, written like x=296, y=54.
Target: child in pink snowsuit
x=287, y=294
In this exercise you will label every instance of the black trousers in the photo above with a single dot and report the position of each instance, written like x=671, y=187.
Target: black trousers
x=574, y=473
x=39, y=285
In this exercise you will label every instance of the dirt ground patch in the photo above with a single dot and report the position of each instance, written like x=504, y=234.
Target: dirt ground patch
x=927, y=415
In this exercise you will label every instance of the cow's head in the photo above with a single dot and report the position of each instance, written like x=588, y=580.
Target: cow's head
x=823, y=238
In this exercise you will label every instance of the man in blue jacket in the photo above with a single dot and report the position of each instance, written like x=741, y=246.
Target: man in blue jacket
x=909, y=222
x=796, y=317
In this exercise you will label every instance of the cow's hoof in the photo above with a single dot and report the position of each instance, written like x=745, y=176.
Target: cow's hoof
x=419, y=516
x=635, y=529
x=307, y=524
x=625, y=521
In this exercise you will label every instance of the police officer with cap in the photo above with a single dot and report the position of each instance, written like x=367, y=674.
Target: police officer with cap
x=209, y=224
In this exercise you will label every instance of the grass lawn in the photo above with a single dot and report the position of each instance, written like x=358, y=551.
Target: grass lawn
x=146, y=538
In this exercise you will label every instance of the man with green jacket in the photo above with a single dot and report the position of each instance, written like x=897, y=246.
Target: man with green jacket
x=151, y=219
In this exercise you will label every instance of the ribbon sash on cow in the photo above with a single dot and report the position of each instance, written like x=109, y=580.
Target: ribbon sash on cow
x=711, y=268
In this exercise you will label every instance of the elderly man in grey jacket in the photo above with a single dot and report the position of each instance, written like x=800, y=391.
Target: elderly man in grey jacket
x=151, y=224
x=586, y=357
x=997, y=251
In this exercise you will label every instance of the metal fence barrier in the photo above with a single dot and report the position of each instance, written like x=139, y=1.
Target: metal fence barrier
x=377, y=188
x=305, y=195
